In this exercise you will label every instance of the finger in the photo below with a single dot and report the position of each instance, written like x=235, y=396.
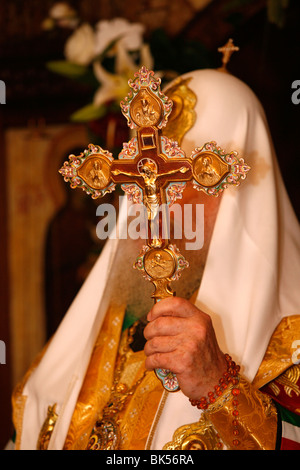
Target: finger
x=171, y=306
x=163, y=361
x=165, y=326
x=161, y=344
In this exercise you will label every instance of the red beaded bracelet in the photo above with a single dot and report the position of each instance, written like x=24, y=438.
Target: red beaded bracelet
x=230, y=377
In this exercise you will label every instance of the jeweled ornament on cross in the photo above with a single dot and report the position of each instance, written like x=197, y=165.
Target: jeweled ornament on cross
x=153, y=170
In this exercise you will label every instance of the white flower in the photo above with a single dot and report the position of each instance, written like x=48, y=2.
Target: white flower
x=64, y=15
x=114, y=87
x=80, y=46
x=130, y=35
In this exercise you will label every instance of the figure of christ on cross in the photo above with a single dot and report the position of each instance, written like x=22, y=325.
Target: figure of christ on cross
x=151, y=196
x=152, y=182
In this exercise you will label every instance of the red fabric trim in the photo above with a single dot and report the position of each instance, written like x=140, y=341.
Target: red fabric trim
x=291, y=403
x=285, y=401
x=287, y=444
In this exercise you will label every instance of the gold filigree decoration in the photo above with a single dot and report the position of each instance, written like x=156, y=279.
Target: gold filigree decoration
x=106, y=433
x=195, y=436
x=146, y=109
x=183, y=115
x=95, y=172
x=278, y=357
x=95, y=388
x=289, y=381
x=209, y=169
x=47, y=428
x=160, y=264
x=257, y=423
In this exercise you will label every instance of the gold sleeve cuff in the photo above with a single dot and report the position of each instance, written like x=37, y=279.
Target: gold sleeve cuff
x=246, y=422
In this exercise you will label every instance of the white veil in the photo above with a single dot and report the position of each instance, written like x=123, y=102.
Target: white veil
x=251, y=277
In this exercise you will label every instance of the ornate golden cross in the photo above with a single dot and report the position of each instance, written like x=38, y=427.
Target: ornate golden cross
x=153, y=170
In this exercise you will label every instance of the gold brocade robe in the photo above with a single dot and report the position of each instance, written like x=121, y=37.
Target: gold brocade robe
x=139, y=416
x=136, y=419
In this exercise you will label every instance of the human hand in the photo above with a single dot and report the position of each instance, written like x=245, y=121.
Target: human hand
x=181, y=338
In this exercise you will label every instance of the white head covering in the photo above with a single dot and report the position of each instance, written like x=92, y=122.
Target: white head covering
x=251, y=278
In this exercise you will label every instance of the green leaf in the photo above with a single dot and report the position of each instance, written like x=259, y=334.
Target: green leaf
x=68, y=69
x=80, y=73
x=88, y=113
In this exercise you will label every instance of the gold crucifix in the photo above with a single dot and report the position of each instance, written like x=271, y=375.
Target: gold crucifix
x=227, y=50
x=153, y=171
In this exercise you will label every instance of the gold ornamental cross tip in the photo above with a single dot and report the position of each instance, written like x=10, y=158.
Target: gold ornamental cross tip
x=227, y=50
x=153, y=170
